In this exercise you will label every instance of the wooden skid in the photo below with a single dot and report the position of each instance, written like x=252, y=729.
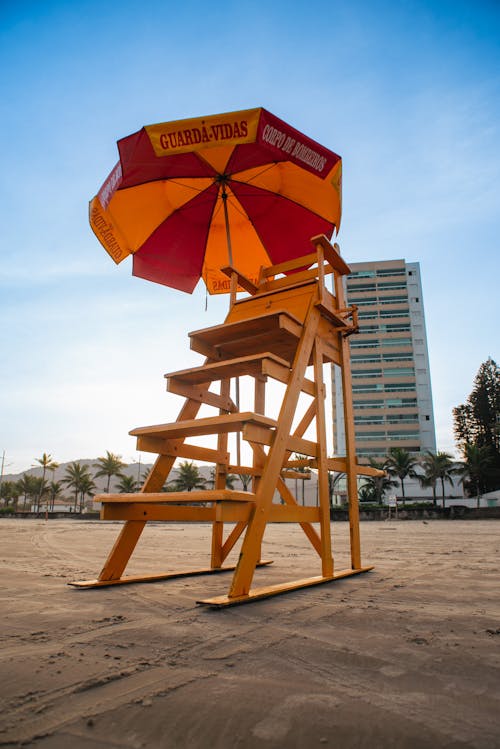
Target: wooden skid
x=275, y=590
x=156, y=578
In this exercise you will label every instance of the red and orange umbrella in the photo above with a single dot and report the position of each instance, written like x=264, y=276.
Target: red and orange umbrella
x=191, y=196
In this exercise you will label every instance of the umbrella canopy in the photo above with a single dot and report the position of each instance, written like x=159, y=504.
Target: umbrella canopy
x=191, y=196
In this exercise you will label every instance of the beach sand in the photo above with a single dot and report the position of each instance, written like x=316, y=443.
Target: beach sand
x=405, y=656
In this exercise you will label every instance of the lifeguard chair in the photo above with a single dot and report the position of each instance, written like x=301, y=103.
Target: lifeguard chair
x=288, y=322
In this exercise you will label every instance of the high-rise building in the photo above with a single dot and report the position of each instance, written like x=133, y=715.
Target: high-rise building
x=389, y=362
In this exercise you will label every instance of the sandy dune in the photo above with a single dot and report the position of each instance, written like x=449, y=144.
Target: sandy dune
x=405, y=656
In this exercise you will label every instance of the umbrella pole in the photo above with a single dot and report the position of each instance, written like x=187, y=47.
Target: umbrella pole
x=234, y=280
x=232, y=299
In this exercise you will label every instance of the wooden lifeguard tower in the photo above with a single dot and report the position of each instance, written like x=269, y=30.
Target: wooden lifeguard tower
x=288, y=322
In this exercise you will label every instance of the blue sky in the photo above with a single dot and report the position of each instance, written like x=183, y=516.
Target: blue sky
x=407, y=92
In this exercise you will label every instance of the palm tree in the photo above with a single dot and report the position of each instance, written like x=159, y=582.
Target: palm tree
x=437, y=467
x=28, y=487
x=188, y=478
x=301, y=469
x=127, y=485
x=47, y=464
x=475, y=467
x=246, y=480
x=74, y=477
x=87, y=486
x=55, y=490
x=374, y=487
x=400, y=463
x=109, y=466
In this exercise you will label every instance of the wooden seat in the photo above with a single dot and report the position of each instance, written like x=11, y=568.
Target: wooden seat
x=200, y=427
x=286, y=325
x=203, y=495
x=277, y=333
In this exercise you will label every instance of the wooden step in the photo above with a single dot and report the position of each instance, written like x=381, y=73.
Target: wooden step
x=257, y=364
x=277, y=333
x=198, y=495
x=233, y=422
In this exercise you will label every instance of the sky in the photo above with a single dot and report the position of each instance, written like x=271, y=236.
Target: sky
x=408, y=93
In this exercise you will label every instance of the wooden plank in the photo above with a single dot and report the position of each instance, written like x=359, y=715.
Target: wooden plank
x=295, y=279
x=247, y=327
x=275, y=590
x=197, y=495
x=228, y=512
x=244, y=365
x=288, y=265
x=200, y=427
x=293, y=301
x=243, y=281
x=332, y=254
x=156, y=578
x=178, y=449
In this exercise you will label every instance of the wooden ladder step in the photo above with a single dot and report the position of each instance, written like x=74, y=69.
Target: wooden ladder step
x=277, y=333
x=201, y=495
x=233, y=422
x=257, y=364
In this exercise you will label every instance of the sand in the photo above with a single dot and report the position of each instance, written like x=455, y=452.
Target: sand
x=407, y=655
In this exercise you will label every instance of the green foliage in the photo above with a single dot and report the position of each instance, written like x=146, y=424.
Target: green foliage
x=110, y=465
x=402, y=464
x=437, y=467
x=127, y=485
x=477, y=423
x=475, y=469
x=78, y=478
x=188, y=478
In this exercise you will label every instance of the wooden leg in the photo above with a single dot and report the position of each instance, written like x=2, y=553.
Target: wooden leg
x=250, y=550
x=324, y=494
x=217, y=557
x=122, y=550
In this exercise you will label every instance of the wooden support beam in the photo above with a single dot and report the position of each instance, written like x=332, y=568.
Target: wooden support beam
x=263, y=436
x=332, y=254
x=201, y=395
x=179, y=449
x=243, y=281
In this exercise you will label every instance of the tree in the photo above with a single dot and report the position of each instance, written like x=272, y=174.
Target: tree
x=474, y=469
x=87, y=486
x=127, y=485
x=47, y=465
x=54, y=491
x=246, y=480
x=437, y=467
x=402, y=464
x=304, y=470
x=9, y=491
x=28, y=487
x=374, y=487
x=109, y=466
x=477, y=421
x=188, y=478
x=75, y=477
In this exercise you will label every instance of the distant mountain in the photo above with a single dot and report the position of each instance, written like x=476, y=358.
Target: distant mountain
x=132, y=469
x=100, y=482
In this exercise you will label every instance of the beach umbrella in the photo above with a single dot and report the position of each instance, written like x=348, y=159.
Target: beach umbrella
x=189, y=197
